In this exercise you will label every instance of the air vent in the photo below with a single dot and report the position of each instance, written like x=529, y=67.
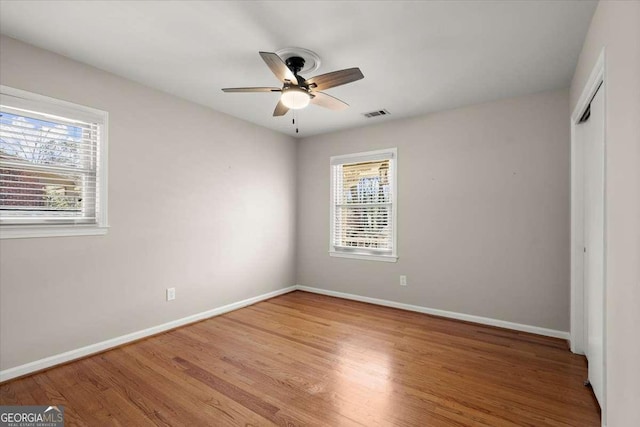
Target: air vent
x=376, y=114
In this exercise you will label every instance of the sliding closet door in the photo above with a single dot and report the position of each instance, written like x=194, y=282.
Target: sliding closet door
x=594, y=241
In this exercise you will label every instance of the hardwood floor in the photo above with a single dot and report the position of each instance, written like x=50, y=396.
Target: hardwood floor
x=306, y=359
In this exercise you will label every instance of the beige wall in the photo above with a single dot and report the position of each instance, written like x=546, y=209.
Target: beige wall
x=616, y=26
x=483, y=211
x=198, y=200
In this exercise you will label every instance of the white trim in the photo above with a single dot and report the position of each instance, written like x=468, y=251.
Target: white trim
x=365, y=156
x=69, y=110
x=68, y=356
x=366, y=257
x=103, y=174
x=54, y=106
x=388, y=153
x=71, y=355
x=595, y=78
x=578, y=331
x=31, y=231
x=578, y=340
x=442, y=313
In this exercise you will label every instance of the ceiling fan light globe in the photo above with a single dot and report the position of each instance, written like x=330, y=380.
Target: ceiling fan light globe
x=295, y=98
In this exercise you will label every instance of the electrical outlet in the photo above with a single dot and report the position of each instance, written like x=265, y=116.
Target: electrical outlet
x=171, y=294
x=403, y=280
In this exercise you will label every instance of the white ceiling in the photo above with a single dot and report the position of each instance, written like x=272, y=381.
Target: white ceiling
x=417, y=57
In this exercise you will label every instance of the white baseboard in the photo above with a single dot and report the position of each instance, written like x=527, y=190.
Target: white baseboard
x=68, y=356
x=58, y=359
x=442, y=313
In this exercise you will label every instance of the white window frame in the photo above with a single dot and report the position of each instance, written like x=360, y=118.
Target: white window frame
x=56, y=107
x=362, y=253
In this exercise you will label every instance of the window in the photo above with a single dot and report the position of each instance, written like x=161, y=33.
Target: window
x=52, y=167
x=363, y=205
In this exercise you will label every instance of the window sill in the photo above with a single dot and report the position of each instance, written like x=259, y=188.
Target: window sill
x=35, y=231
x=366, y=257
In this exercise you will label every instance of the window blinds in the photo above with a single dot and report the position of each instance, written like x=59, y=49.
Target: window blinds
x=363, y=204
x=48, y=167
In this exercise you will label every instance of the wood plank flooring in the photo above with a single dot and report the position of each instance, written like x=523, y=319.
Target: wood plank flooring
x=306, y=359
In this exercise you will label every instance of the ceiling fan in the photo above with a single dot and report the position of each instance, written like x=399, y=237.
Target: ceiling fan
x=298, y=92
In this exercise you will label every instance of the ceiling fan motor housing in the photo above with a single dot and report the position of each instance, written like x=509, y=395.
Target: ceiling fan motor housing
x=295, y=64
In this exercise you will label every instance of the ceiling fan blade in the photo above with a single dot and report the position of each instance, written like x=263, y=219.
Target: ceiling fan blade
x=336, y=78
x=278, y=67
x=280, y=110
x=251, y=89
x=328, y=101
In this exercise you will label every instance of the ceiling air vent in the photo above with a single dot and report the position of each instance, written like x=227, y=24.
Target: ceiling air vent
x=376, y=114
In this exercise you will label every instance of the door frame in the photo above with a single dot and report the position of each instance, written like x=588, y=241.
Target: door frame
x=578, y=340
